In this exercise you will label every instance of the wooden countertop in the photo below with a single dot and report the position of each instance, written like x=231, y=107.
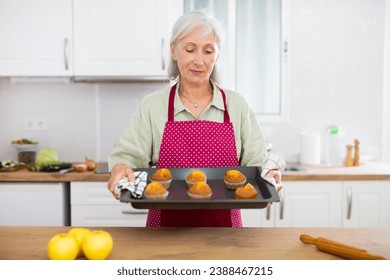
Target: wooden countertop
x=29, y=243
x=25, y=175
x=368, y=171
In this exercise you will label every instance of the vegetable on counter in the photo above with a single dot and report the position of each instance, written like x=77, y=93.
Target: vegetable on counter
x=24, y=141
x=80, y=167
x=91, y=164
x=46, y=157
x=9, y=163
x=88, y=165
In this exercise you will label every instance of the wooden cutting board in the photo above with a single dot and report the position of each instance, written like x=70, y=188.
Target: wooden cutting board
x=12, y=169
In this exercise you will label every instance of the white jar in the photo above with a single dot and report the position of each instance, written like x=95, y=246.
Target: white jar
x=334, y=148
x=310, y=148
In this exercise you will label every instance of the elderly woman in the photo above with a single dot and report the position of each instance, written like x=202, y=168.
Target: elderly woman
x=195, y=123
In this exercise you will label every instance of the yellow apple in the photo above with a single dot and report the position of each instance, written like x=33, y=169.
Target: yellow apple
x=62, y=246
x=97, y=245
x=79, y=234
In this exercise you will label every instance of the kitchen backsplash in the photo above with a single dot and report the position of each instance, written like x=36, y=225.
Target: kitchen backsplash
x=82, y=119
x=86, y=119
x=336, y=65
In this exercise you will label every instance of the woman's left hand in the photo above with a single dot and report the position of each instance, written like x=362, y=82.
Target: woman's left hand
x=277, y=176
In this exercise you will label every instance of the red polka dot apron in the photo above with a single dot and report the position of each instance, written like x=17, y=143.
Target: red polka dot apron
x=191, y=144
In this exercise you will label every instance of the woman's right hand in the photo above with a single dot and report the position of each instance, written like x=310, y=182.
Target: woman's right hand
x=118, y=172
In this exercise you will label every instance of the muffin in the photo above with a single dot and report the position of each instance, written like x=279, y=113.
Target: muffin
x=194, y=177
x=155, y=191
x=199, y=190
x=234, y=179
x=246, y=192
x=162, y=176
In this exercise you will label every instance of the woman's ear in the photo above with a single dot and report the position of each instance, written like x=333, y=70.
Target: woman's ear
x=173, y=55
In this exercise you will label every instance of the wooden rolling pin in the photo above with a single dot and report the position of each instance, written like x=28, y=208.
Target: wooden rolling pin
x=339, y=249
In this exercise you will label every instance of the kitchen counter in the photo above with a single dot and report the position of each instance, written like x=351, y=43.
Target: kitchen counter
x=25, y=175
x=367, y=171
x=29, y=243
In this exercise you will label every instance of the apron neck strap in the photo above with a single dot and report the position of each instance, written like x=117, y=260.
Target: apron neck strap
x=171, y=109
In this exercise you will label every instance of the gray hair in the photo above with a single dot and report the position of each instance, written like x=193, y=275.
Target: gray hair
x=188, y=23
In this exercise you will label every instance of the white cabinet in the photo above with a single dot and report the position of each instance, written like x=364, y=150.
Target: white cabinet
x=121, y=38
x=34, y=204
x=93, y=205
x=309, y=204
x=85, y=38
x=367, y=204
x=303, y=204
x=36, y=38
x=326, y=204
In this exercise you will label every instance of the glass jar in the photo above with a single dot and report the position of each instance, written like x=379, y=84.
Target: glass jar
x=26, y=152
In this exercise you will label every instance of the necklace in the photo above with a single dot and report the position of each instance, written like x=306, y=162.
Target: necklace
x=195, y=104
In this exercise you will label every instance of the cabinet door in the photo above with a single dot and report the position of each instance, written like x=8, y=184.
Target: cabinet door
x=34, y=204
x=108, y=215
x=366, y=204
x=93, y=205
x=258, y=217
x=309, y=204
x=36, y=38
x=121, y=38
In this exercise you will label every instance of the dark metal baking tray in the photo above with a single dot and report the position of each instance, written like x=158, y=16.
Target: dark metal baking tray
x=222, y=197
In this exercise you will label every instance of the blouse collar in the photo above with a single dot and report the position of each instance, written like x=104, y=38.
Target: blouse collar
x=217, y=100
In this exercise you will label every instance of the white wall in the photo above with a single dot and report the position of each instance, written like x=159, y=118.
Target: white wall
x=82, y=119
x=386, y=91
x=336, y=60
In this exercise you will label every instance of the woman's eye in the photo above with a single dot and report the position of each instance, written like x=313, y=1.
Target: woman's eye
x=209, y=51
x=189, y=50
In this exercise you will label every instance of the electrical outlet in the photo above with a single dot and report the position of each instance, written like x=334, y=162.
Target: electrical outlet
x=35, y=124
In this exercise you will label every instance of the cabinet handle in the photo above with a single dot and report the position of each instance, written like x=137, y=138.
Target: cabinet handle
x=162, y=54
x=268, y=213
x=281, y=214
x=131, y=212
x=66, y=49
x=349, y=198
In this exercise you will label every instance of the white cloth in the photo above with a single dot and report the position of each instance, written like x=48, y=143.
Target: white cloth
x=272, y=162
x=136, y=188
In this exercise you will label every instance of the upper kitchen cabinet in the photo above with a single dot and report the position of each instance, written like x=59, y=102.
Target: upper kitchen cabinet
x=36, y=38
x=121, y=38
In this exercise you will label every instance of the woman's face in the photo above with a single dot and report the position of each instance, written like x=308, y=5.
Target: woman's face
x=196, y=55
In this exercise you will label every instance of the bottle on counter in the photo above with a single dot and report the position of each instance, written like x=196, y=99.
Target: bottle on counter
x=334, y=146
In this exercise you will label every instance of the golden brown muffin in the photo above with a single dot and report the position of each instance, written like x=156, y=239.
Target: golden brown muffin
x=199, y=190
x=196, y=176
x=162, y=176
x=155, y=191
x=234, y=179
x=246, y=192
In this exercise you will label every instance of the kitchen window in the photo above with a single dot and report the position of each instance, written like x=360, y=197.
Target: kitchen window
x=254, y=53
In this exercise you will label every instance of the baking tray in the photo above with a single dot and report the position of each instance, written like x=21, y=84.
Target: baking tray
x=222, y=197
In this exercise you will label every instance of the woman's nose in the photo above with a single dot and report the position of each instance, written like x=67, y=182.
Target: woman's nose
x=198, y=59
